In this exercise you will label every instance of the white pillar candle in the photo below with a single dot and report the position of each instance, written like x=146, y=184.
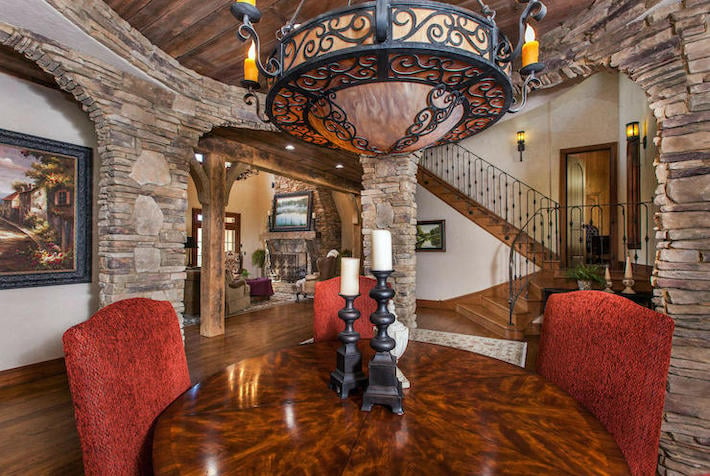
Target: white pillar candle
x=381, y=250
x=607, y=274
x=350, y=276
x=628, y=273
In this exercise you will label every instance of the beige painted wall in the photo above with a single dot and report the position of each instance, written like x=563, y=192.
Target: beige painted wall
x=351, y=237
x=34, y=319
x=474, y=260
x=252, y=199
x=592, y=112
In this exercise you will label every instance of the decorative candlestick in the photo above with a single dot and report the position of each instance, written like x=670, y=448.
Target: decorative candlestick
x=383, y=387
x=607, y=280
x=348, y=374
x=628, y=278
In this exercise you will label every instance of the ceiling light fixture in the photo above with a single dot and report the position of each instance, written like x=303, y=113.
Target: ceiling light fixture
x=390, y=76
x=339, y=166
x=290, y=147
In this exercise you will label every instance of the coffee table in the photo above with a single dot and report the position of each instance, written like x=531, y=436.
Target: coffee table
x=464, y=414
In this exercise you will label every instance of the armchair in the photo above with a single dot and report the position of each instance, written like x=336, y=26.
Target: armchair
x=327, y=269
x=236, y=294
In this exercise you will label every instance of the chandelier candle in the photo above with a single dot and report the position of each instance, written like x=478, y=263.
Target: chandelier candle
x=531, y=48
x=251, y=73
x=348, y=375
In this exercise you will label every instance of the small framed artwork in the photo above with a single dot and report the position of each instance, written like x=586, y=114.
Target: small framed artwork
x=45, y=211
x=431, y=235
x=292, y=211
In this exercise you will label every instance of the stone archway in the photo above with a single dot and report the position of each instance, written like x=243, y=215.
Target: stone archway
x=666, y=51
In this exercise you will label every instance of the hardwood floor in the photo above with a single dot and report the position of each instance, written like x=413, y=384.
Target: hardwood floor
x=37, y=432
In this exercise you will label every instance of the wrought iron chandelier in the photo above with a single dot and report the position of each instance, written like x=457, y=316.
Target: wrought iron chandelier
x=390, y=76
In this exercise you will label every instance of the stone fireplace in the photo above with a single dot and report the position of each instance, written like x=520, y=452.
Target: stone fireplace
x=291, y=254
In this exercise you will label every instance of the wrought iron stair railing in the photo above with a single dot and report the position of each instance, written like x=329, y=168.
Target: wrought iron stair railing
x=590, y=234
x=501, y=194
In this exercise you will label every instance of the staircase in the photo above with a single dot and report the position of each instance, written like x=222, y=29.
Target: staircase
x=501, y=205
x=529, y=223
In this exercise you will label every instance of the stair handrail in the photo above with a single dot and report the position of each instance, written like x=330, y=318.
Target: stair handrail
x=516, y=286
x=500, y=193
x=549, y=237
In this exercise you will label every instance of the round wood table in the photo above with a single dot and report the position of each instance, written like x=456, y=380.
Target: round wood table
x=464, y=414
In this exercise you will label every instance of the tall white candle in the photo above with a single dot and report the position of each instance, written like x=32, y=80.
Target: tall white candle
x=381, y=250
x=607, y=274
x=350, y=276
x=628, y=272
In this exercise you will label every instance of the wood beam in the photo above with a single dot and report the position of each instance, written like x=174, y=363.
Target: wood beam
x=236, y=152
x=212, y=273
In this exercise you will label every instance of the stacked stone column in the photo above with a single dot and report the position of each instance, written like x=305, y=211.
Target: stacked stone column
x=388, y=203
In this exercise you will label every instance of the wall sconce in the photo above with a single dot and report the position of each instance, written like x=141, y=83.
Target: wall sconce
x=632, y=130
x=521, y=143
x=633, y=186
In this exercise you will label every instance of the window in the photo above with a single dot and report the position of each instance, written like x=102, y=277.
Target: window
x=62, y=197
x=232, y=233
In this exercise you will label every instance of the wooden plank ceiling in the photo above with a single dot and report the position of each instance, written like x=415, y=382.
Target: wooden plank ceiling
x=201, y=34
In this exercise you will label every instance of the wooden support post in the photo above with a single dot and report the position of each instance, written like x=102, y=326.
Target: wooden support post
x=210, y=179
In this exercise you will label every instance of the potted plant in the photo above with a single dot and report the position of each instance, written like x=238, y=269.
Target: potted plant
x=258, y=258
x=586, y=274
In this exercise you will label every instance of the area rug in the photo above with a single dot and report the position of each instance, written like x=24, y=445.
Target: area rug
x=510, y=351
x=278, y=299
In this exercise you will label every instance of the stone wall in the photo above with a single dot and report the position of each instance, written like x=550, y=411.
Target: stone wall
x=328, y=223
x=389, y=185
x=665, y=49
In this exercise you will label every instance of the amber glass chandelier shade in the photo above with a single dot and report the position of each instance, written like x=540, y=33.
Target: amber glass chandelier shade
x=436, y=74
x=396, y=107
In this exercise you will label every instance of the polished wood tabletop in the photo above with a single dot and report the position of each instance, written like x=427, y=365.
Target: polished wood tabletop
x=464, y=414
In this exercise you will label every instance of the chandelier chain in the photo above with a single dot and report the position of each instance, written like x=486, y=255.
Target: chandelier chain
x=487, y=11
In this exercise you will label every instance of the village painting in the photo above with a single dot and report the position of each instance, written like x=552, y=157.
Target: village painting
x=37, y=210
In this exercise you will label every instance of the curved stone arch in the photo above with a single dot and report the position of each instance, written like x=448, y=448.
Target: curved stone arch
x=665, y=50
x=33, y=48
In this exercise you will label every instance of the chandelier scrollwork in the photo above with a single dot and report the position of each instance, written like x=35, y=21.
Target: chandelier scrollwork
x=391, y=76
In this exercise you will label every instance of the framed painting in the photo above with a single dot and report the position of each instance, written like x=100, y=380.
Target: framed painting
x=292, y=211
x=431, y=235
x=45, y=211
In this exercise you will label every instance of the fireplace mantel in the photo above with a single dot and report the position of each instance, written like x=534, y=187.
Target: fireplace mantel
x=291, y=254
x=290, y=235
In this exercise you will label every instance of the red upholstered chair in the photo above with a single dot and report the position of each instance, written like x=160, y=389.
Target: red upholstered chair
x=125, y=365
x=327, y=303
x=612, y=356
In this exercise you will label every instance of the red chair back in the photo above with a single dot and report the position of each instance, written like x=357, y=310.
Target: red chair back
x=327, y=303
x=612, y=356
x=125, y=365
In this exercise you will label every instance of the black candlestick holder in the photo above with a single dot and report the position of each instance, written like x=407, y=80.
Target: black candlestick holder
x=348, y=374
x=383, y=387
